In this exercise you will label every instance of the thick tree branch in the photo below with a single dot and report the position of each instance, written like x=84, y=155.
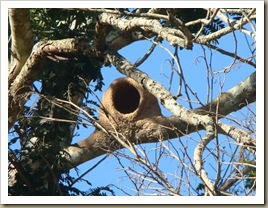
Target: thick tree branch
x=150, y=130
x=21, y=44
x=198, y=162
x=241, y=137
x=175, y=37
x=232, y=100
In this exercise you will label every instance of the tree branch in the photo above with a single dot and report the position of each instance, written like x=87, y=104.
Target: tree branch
x=21, y=44
x=232, y=100
x=235, y=26
x=175, y=37
x=241, y=137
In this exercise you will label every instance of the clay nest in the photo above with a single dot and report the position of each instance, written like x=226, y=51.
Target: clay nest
x=124, y=102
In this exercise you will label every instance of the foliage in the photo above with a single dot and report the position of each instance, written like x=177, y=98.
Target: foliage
x=56, y=24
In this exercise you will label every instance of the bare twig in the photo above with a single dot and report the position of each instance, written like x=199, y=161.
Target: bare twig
x=237, y=25
x=148, y=53
x=222, y=51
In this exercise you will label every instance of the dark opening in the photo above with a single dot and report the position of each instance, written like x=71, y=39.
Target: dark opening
x=126, y=98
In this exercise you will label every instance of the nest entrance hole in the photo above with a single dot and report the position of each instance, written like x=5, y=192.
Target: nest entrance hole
x=126, y=98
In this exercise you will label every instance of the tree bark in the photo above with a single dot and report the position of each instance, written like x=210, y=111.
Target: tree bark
x=21, y=46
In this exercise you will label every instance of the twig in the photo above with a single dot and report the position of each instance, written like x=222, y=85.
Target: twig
x=247, y=61
x=148, y=53
x=90, y=169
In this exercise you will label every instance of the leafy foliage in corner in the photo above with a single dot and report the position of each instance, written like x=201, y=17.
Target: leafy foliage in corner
x=55, y=24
